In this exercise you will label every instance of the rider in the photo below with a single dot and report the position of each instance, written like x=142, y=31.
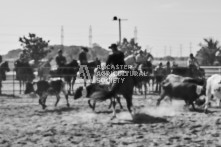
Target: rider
x=24, y=58
x=193, y=64
x=168, y=68
x=60, y=61
x=140, y=58
x=115, y=59
x=159, y=73
x=82, y=57
x=3, y=73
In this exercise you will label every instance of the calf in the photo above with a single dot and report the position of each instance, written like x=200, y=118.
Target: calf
x=187, y=91
x=45, y=88
x=213, y=89
x=95, y=87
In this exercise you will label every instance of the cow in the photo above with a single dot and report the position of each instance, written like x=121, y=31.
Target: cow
x=186, y=88
x=90, y=89
x=188, y=92
x=45, y=88
x=213, y=89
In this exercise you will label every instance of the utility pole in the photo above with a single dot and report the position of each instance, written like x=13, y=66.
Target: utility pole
x=115, y=18
x=90, y=36
x=170, y=51
x=165, y=51
x=62, y=37
x=190, y=47
x=135, y=34
x=181, y=49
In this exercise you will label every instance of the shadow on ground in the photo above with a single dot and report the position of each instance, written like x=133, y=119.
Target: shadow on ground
x=142, y=118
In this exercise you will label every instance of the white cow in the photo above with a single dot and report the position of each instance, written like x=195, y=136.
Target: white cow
x=213, y=88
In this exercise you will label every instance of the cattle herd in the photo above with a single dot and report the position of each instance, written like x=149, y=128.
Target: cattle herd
x=194, y=91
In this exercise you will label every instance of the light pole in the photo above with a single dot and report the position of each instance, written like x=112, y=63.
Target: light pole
x=115, y=18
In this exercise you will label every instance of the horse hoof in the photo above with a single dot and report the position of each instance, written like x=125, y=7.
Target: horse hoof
x=158, y=103
x=44, y=106
x=68, y=105
x=113, y=117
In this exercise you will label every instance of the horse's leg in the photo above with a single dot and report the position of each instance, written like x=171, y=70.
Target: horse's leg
x=85, y=82
x=73, y=82
x=42, y=100
x=128, y=98
x=66, y=95
x=162, y=96
x=118, y=100
x=114, y=110
x=20, y=84
x=58, y=99
x=110, y=104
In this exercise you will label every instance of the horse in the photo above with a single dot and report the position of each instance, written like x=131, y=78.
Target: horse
x=121, y=84
x=68, y=72
x=3, y=68
x=24, y=73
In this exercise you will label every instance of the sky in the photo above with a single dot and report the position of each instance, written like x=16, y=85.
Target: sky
x=164, y=27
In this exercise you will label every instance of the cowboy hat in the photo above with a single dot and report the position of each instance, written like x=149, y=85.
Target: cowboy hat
x=113, y=46
x=60, y=51
x=85, y=49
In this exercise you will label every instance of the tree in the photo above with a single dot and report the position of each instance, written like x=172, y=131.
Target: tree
x=129, y=47
x=36, y=46
x=206, y=55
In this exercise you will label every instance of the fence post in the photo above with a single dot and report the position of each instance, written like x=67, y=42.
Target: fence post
x=13, y=82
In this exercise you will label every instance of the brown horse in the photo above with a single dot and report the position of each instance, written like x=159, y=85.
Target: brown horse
x=3, y=68
x=24, y=73
x=122, y=83
x=68, y=72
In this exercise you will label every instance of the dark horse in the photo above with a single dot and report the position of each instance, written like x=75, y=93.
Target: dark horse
x=3, y=68
x=124, y=87
x=187, y=72
x=68, y=72
x=91, y=67
x=24, y=73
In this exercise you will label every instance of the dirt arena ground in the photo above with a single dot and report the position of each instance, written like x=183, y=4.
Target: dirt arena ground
x=24, y=123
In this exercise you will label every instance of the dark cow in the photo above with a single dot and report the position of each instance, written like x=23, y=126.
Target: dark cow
x=187, y=91
x=185, y=88
x=45, y=88
x=90, y=89
x=186, y=72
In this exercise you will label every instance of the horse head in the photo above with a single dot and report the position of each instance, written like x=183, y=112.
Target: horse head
x=73, y=63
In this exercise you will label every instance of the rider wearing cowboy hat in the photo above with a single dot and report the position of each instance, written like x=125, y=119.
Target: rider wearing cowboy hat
x=60, y=60
x=116, y=58
x=83, y=56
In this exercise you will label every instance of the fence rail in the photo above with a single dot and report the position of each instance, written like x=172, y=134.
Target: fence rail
x=11, y=85
x=210, y=70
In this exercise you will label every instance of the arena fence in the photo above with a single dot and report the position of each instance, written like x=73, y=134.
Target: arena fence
x=11, y=86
